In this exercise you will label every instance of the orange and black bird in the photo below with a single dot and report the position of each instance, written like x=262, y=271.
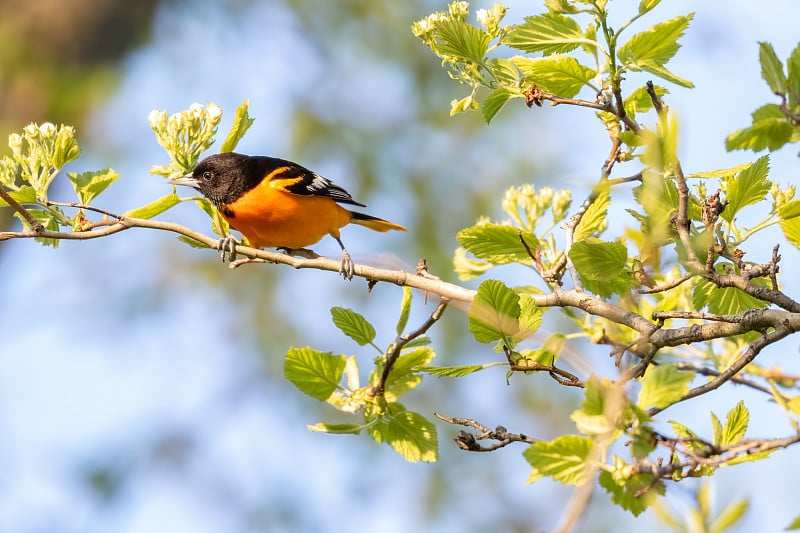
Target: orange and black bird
x=278, y=204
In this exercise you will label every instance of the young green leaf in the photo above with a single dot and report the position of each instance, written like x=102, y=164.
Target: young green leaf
x=794, y=525
x=725, y=300
x=565, y=459
x=639, y=100
x=353, y=325
x=89, y=184
x=530, y=317
x=735, y=425
x=656, y=45
x=789, y=221
x=793, y=66
x=597, y=260
x=749, y=187
x=559, y=74
x=603, y=409
x=406, y=373
x=497, y=243
x=662, y=72
x=241, y=123
x=154, y=208
x=634, y=494
x=729, y=516
x=663, y=385
x=313, y=372
x=455, y=371
x=461, y=40
x=495, y=102
x=336, y=429
x=405, y=310
x=550, y=33
x=772, y=68
x=503, y=71
x=766, y=133
x=409, y=433
x=595, y=219
x=647, y=5
x=47, y=219
x=494, y=313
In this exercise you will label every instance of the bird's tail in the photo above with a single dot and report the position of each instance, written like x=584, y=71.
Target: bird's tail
x=374, y=223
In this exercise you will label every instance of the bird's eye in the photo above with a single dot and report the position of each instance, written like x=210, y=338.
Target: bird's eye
x=207, y=175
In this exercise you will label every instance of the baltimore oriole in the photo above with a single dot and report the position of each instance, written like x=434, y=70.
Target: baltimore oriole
x=278, y=204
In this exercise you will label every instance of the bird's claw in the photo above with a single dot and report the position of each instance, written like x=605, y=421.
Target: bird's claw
x=227, y=248
x=347, y=270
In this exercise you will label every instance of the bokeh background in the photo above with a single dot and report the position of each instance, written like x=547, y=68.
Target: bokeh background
x=141, y=384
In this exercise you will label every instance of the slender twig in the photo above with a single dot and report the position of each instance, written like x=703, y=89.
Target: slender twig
x=391, y=357
x=468, y=442
x=752, y=351
x=34, y=224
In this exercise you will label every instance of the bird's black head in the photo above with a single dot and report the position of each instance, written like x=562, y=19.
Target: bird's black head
x=222, y=178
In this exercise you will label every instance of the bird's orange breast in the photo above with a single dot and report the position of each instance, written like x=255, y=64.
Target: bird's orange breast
x=273, y=218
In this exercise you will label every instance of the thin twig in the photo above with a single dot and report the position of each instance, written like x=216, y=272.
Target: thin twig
x=391, y=357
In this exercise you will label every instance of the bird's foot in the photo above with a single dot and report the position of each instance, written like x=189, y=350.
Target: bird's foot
x=227, y=248
x=348, y=268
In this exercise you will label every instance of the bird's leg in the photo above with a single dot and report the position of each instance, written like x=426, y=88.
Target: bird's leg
x=348, y=268
x=227, y=248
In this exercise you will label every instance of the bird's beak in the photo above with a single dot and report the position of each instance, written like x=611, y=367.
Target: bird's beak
x=189, y=180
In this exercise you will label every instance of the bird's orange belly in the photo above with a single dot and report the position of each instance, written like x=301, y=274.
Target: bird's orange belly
x=272, y=218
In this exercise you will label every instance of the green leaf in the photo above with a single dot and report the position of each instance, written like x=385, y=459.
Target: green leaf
x=313, y=372
x=503, y=71
x=722, y=173
x=647, y=5
x=406, y=373
x=728, y=517
x=603, y=404
x=219, y=225
x=410, y=434
x=791, y=226
x=46, y=218
x=595, y=219
x=635, y=494
x=466, y=267
x=656, y=45
x=530, y=317
x=725, y=300
x=639, y=101
x=772, y=68
x=455, y=371
x=793, y=65
x=494, y=312
x=154, y=208
x=90, y=184
x=735, y=425
x=662, y=386
x=405, y=310
x=24, y=195
x=550, y=33
x=597, y=260
x=461, y=40
x=749, y=187
x=353, y=325
x=770, y=133
x=794, y=525
x=494, y=102
x=241, y=123
x=497, y=243
x=664, y=73
x=565, y=459
x=336, y=429
x=559, y=74
x=692, y=440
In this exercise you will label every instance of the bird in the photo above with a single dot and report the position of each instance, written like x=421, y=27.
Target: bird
x=276, y=203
